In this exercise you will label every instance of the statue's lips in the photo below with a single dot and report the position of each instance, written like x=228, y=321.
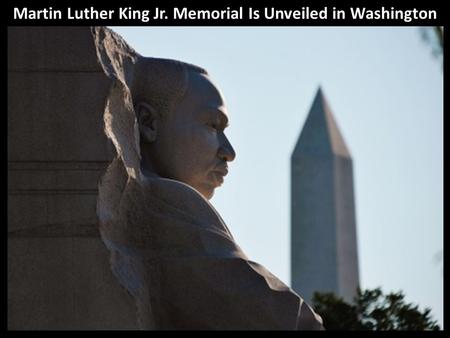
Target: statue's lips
x=219, y=174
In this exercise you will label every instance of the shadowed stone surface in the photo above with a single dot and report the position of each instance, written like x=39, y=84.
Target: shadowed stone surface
x=57, y=49
x=49, y=122
x=64, y=283
x=58, y=269
x=323, y=227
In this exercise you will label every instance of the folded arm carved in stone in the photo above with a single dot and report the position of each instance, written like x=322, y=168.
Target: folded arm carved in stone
x=169, y=247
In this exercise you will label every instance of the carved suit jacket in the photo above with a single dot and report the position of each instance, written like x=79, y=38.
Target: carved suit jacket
x=174, y=254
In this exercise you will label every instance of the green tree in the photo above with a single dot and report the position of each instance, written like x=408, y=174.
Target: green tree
x=371, y=310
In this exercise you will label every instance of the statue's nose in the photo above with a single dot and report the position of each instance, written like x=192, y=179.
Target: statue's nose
x=226, y=151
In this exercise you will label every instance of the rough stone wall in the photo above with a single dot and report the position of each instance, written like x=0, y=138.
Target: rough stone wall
x=58, y=270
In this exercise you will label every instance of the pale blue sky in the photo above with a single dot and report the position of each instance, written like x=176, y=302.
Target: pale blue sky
x=386, y=92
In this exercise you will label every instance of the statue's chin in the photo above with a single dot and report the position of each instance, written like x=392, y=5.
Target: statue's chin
x=209, y=195
x=207, y=192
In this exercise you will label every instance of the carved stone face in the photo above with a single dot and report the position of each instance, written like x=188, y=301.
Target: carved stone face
x=189, y=143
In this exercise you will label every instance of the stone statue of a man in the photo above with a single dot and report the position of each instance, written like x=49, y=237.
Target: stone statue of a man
x=169, y=247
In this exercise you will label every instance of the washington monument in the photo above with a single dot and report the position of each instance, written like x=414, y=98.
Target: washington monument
x=324, y=254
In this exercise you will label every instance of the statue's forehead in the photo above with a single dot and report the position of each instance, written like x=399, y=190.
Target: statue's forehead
x=203, y=91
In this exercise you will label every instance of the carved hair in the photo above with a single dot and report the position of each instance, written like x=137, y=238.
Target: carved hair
x=161, y=83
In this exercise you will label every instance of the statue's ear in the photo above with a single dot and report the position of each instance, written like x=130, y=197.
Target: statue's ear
x=148, y=121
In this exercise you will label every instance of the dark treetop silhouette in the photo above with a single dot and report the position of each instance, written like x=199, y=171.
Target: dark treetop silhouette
x=169, y=247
